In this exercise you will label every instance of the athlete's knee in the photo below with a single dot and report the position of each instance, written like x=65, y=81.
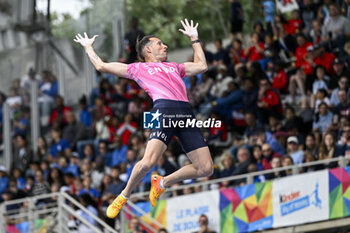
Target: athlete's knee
x=206, y=170
x=146, y=165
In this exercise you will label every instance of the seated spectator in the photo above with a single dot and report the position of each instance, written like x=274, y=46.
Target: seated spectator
x=287, y=161
x=14, y=100
x=255, y=48
x=301, y=50
x=324, y=59
x=237, y=53
x=257, y=157
x=343, y=84
x=268, y=101
x=58, y=115
x=116, y=186
x=315, y=33
x=73, y=164
x=266, y=137
x=221, y=82
x=306, y=115
x=59, y=146
x=48, y=91
x=343, y=108
x=310, y=144
x=21, y=121
x=42, y=150
x=13, y=188
x=323, y=119
x=291, y=120
x=135, y=225
x=294, y=25
x=23, y=155
x=85, y=115
x=280, y=81
x=321, y=97
x=103, y=152
x=107, y=91
x=250, y=95
x=293, y=151
x=4, y=179
x=55, y=176
x=228, y=165
x=268, y=155
x=243, y=157
x=252, y=126
x=329, y=149
x=127, y=128
x=221, y=56
x=74, y=131
x=119, y=154
x=98, y=170
x=17, y=174
x=87, y=201
x=88, y=189
x=40, y=186
x=203, y=223
x=336, y=29
x=218, y=135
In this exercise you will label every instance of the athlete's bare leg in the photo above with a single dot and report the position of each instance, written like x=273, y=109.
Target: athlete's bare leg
x=202, y=166
x=154, y=149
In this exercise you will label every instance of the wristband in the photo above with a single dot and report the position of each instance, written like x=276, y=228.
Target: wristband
x=195, y=41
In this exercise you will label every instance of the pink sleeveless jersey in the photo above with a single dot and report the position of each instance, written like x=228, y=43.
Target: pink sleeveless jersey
x=159, y=80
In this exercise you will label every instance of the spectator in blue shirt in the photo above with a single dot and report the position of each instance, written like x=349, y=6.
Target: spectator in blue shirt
x=119, y=153
x=59, y=145
x=269, y=13
x=4, y=180
x=293, y=151
x=323, y=119
x=85, y=115
x=88, y=189
x=116, y=186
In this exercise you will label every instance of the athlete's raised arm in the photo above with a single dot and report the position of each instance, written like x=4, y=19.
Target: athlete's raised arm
x=199, y=65
x=116, y=68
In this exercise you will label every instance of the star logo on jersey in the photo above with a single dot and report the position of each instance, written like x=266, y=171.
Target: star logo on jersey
x=151, y=120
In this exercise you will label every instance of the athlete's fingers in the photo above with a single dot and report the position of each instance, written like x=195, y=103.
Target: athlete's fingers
x=182, y=31
x=76, y=40
x=183, y=24
x=187, y=24
x=86, y=36
x=94, y=37
x=80, y=37
x=191, y=23
x=196, y=26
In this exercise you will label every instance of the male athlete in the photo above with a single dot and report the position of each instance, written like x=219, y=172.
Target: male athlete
x=163, y=83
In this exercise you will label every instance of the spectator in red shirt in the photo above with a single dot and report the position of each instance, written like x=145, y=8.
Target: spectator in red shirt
x=107, y=91
x=268, y=101
x=324, y=59
x=58, y=115
x=293, y=25
x=217, y=135
x=237, y=52
x=280, y=79
x=301, y=50
x=127, y=128
x=268, y=155
x=255, y=49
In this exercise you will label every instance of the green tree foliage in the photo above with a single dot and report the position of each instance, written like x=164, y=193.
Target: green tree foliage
x=62, y=26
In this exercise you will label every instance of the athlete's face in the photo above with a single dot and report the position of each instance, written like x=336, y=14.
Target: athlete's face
x=158, y=49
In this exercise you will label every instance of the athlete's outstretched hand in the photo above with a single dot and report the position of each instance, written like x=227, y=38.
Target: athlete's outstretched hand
x=190, y=30
x=85, y=41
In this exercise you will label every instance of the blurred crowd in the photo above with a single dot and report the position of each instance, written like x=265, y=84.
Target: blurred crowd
x=282, y=94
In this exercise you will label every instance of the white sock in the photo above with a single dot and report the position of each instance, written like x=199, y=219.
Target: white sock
x=161, y=183
x=124, y=196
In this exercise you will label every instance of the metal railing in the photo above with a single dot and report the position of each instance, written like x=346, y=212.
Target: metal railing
x=54, y=210
x=249, y=177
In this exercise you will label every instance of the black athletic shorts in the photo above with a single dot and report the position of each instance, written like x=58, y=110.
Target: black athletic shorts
x=173, y=112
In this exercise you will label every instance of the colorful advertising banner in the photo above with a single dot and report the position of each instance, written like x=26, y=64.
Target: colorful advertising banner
x=183, y=212
x=339, y=192
x=300, y=199
x=247, y=208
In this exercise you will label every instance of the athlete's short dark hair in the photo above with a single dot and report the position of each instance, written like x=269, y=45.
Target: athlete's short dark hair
x=140, y=45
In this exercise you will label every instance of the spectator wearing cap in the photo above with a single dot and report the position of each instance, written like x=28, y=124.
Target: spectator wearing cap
x=293, y=150
x=343, y=84
x=323, y=119
x=339, y=71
